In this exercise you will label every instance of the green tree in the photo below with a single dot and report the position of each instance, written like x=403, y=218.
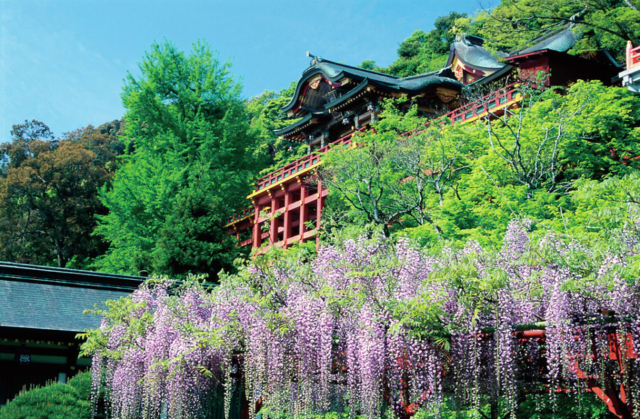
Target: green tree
x=188, y=166
x=423, y=51
x=514, y=23
x=448, y=184
x=266, y=115
x=20, y=148
x=49, y=194
x=401, y=180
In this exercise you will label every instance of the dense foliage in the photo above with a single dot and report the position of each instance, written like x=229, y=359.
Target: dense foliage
x=421, y=313
x=188, y=166
x=266, y=115
x=373, y=325
x=449, y=183
x=47, y=189
x=512, y=24
x=54, y=401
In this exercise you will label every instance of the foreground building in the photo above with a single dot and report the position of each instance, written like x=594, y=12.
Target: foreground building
x=41, y=311
x=333, y=101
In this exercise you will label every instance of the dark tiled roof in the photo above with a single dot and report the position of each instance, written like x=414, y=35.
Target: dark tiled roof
x=561, y=40
x=303, y=123
x=469, y=51
x=37, y=297
x=50, y=307
x=409, y=85
x=334, y=72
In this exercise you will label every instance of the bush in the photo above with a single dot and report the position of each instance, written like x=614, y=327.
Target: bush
x=54, y=401
x=82, y=383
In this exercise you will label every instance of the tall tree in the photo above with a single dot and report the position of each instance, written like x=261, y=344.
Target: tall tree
x=188, y=166
x=457, y=182
x=399, y=180
x=423, y=51
x=514, y=23
x=266, y=115
x=49, y=193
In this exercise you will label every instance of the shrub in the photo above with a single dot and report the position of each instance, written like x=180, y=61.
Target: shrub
x=54, y=401
x=82, y=383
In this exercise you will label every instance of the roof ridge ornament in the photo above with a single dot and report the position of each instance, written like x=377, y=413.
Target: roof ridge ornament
x=314, y=59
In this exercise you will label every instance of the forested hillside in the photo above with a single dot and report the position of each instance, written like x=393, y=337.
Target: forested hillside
x=481, y=263
x=152, y=193
x=49, y=193
x=448, y=184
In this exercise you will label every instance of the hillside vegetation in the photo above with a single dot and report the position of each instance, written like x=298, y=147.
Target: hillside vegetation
x=153, y=192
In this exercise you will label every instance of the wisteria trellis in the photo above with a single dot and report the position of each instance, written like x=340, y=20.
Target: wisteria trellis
x=374, y=325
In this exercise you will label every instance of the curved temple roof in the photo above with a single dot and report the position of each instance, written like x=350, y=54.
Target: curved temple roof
x=470, y=52
x=561, y=40
x=334, y=74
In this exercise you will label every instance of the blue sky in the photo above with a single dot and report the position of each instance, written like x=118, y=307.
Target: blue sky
x=63, y=62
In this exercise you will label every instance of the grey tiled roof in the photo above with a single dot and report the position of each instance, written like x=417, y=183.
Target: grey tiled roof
x=51, y=306
x=561, y=40
x=39, y=297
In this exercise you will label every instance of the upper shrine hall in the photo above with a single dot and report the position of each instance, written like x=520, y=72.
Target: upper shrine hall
x=333, y=101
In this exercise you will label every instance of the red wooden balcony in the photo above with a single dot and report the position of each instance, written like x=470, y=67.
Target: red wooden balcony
x=300, y=165
x=246, y=213
x=482, y=106
x=272, y=190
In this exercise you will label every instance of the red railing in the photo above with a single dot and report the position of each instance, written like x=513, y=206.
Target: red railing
x=298, y=165
x=483, y=105
x=633, y=56
x=245, y=213
x=463, y=113
x=290, y=170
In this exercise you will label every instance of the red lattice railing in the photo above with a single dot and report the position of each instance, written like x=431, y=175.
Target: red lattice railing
x=297, y=166
x=483, y=105
x=245, y=213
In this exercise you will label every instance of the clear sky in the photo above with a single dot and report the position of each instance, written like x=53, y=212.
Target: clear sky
x=63, y=62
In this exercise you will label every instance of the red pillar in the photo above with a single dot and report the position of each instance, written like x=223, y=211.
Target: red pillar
x=304, y=216
x=273, y=228
x=257, y=233
x=319, y=203
x=287, y=217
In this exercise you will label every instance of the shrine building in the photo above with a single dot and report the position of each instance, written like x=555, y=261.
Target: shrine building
x=630, y=77
x=41, y=311
x=333, y=101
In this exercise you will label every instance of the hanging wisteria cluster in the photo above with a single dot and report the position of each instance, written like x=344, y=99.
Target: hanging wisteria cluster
x=374, y=326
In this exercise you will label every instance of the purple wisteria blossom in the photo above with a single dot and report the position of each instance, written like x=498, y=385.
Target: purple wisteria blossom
x=372, y=325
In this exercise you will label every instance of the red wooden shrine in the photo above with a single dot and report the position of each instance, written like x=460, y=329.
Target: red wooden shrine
x=334, y=100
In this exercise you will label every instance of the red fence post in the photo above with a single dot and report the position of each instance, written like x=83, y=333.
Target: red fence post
x=273, y=228
x=304, y=191
x=319, y=203
x=257, y=234
x=287, y=217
